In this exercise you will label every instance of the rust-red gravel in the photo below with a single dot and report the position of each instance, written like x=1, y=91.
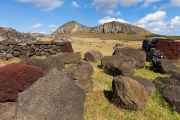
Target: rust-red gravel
x=15, y=78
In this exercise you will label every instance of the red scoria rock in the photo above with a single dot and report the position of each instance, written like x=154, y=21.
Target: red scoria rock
x=15, y=78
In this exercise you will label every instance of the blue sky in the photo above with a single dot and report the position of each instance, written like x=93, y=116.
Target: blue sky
x=157, y=16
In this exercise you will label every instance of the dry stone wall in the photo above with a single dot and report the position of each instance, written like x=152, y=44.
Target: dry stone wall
x=9, y=50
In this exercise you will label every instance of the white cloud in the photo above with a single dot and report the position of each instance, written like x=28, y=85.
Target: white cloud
x=74, y=3
x=36, y=26
x=106, y=6
x=156, y=29
x=175, y=3
x=175, y=22
x=128, y=3
x=154, y=7
x=103, y=5
x=45, y=4
x=172, y=3
x=53, y=27
x=155, y=22
x=109, y=19
x=165, y=6
x=42, y=32
x=148, y=2
x=118, y=13
x=111, y=12
x=153, y=17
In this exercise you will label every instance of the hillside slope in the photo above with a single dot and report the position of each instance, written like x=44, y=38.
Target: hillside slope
x=11, y=34
x=111, y=27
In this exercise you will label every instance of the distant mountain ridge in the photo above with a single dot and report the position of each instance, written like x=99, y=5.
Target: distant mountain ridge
x=111, y=27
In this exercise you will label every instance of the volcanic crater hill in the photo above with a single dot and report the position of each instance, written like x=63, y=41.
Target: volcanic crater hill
x=111, y=27
x=7, y=33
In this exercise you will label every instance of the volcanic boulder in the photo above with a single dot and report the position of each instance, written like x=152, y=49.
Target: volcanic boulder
x=69, y=57
x=118, y=64
x=53, y=97
x=81, y=74
x=46, y=64
x=138, y=55
x=149, y=86
x=15, y=78
x=67, y=47
x=93, y=56
x=167, y=81
x=172, y=95
x=128, y=93
x=165, y=66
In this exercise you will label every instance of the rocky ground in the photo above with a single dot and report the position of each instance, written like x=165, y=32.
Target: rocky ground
x=82, y=45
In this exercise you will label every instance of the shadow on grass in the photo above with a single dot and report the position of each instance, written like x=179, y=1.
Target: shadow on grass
x=109, y=95
x=100, y=66
x=110, y=71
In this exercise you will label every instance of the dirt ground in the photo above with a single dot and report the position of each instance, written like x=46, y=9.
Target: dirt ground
x=7, y=110
x=104, y=46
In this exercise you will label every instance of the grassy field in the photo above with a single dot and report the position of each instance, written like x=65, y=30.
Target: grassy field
x=98, y=107
x=97, y=104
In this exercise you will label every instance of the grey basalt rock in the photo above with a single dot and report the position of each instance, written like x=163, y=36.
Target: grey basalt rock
x=162, y=82
x=81, y=74
x=118, y=64
x=165, y=66
x=93, y=56
x=53, y=97
x=172, y=95
x=149, y=86
x=46, y=64
x=128, y=93
x=138, y=55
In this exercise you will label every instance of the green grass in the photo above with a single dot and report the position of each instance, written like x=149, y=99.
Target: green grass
x=69, y=65
x=5, y=62
x=98, y=107
x=167, y=36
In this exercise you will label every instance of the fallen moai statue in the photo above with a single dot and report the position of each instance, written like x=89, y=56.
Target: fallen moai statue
x=161, y=48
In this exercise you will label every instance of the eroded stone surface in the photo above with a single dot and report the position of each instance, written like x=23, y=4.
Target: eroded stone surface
x=128, y=93
x=53, y=97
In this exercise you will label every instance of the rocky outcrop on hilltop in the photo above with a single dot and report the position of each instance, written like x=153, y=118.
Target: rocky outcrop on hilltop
x=111, y=27
x=72, y=27
x=10, y=34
